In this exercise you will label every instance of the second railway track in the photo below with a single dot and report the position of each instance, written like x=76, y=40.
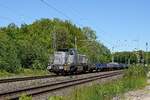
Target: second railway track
x=8, y=80
x=55, y=86
x=25, y=78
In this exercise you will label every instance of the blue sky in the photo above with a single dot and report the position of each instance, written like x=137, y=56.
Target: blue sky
x=124, y=24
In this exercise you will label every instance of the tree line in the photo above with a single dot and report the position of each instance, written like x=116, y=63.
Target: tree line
x=30, y=45
x=133, y=57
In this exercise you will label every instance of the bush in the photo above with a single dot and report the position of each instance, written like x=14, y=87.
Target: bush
x=9, y=60
x=23, y=72
x=24, y=97
x=136, y=71
x=4, y=73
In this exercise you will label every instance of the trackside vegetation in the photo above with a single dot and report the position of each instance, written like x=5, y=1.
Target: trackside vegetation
x=133, y=57
x=24, y=97
x=29, y=45
x=23, y=72
x=134, y=78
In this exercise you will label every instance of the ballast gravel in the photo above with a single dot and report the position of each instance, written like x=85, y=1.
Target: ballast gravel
x=6, y=87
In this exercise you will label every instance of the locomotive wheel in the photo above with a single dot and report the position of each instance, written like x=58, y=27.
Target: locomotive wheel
x=73, y=69
x=90, y=70
x=85, y=68
x=98, y=70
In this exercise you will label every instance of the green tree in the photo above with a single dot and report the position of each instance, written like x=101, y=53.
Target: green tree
x=30, y=45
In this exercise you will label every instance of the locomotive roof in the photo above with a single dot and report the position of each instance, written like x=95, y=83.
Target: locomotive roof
x=65, y=49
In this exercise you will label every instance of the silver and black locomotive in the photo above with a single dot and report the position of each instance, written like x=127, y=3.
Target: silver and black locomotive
x=69, y=61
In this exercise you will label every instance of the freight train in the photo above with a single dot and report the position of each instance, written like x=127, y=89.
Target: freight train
x=70, y=61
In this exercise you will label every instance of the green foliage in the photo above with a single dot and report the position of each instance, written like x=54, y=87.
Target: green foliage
x=32, y=72
x=136, y=71
x=23, y=72
x=133, y=57
x=24, y=97
x=134, y=78
x=55, y=98
x=123, y=57
x=4, y=73
x=29, y=46
x=9, y=60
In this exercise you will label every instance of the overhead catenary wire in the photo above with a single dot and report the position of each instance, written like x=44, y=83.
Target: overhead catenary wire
x=54, y=8
x=57, y=10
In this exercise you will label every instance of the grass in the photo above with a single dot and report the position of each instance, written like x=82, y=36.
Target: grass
x=23, y=72
x=134, y=78
x=24, y=97
x=3, y=73
x=33, y=72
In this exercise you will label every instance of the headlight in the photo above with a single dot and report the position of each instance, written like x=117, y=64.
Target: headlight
x=61, y=67
x=68, y=63
x=49, y=67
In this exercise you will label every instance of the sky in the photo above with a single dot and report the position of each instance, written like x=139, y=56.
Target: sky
x=120, y=24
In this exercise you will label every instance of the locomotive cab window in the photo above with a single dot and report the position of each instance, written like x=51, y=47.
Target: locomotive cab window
x=71, y=52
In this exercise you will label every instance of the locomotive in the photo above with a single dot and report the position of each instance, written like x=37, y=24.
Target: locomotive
x=70, y=61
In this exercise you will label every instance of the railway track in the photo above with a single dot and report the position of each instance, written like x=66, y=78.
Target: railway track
x=8, y=80
x=55, y=86
x=26, y=78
